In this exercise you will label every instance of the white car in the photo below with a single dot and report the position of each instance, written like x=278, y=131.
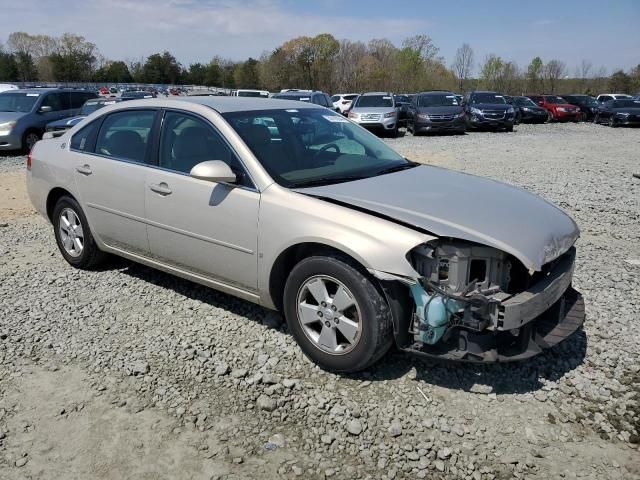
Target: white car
x=250, y=93
x=342, y=101
x=7, y=86
x=605, y=97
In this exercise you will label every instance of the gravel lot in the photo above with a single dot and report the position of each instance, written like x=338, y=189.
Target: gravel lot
x=130, y=373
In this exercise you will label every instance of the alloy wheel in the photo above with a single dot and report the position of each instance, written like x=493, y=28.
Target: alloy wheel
x=329, y=314
x=71, y=233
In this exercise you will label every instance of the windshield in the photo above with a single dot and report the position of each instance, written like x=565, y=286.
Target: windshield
x=374, y=101
x=555, y=100
x=17, y=102
x=402, y=98
x=91, y=106
x=437, y=100
x=581, y=100
x=249, y=93
x=313, y=146
x=524, y=102
x=487, y=98
x=626, y=104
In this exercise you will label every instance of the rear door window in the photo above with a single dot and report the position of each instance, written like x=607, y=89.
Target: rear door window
x=125, y=135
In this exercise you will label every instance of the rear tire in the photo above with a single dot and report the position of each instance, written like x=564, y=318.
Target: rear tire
x=73, y=235
x=321, y=336
x=549, y=117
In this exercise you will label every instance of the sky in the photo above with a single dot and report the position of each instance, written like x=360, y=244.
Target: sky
x=604, y=32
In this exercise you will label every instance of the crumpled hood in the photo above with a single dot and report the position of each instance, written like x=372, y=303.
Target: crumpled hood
x=453, y=204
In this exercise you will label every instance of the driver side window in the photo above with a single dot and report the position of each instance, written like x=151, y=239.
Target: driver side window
x=187, y=140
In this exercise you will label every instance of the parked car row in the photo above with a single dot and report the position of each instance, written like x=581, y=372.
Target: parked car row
x=25, y=114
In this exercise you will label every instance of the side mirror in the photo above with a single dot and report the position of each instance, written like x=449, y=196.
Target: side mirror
x=45, y=109
x=213, y=171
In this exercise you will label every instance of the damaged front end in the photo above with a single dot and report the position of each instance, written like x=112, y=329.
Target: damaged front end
x=477, y=303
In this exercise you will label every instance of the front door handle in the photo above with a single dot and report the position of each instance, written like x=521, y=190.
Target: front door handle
x=162, y=188
x=84, y=169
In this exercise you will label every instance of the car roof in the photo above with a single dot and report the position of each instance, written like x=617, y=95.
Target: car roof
x=226, y=104
x=295, y=94
x=435, y=92
x=375, y=93
x=39, y=90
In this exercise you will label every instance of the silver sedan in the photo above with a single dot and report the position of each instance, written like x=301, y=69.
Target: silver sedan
x=296, y=208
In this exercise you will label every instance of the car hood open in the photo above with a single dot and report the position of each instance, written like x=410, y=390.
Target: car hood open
x=446, y=203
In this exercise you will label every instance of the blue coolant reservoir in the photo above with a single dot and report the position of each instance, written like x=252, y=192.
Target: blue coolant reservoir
x=434, y=313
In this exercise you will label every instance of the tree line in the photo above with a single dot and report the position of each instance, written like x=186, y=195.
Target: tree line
x=321, y=62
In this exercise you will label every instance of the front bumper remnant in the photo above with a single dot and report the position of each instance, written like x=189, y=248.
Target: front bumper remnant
x=552, y=326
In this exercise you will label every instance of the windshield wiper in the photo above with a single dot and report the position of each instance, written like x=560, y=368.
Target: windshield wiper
x=314, y=182
x=398, y=168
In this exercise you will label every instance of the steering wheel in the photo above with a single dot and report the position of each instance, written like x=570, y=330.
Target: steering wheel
x=327, y=147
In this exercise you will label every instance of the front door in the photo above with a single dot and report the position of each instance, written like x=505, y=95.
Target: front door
x=205, y=228
x=111, y=177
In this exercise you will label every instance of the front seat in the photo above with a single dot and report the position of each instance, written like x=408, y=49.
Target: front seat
x=190, y=148
x=127, y=144
x=272, y=156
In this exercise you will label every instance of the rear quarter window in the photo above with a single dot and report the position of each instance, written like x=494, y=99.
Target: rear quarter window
x=85, y=139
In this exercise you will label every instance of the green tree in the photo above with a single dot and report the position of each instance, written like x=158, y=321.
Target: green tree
x=197, y=74
x=114, y=72
x=74, y=59
x=8, y=67
x=246, y=74
x=161, y=68
x=535, y=82
x=620, y=82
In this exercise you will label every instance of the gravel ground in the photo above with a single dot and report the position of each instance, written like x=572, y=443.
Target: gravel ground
x=130, y=373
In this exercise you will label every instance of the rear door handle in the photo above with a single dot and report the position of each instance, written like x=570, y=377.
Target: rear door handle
x=162, y=188
x=84, y=169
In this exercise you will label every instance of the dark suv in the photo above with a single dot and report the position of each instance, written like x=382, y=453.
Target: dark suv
x=309, y=96
x=589, y=106
x=436, y=112
x=488, y=110
x=25, y=113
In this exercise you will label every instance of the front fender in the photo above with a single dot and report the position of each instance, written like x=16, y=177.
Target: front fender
x=290, y=218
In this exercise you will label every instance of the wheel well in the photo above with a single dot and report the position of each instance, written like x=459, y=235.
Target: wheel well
x=52, y=199
x=290, y=257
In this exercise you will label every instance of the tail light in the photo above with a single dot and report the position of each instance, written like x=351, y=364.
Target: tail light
x=29, y=159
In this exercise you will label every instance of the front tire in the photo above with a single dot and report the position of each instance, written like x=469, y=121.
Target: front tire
x=336, y=314
x=612, y=122
x=549, y=117
x=73, y=235
x=29, y=139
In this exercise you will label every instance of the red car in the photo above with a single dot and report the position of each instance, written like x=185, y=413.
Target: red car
x=557, y=107
x=104, y=91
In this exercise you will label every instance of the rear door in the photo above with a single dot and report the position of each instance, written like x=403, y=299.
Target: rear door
x=205, y=228
x=110, y=157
